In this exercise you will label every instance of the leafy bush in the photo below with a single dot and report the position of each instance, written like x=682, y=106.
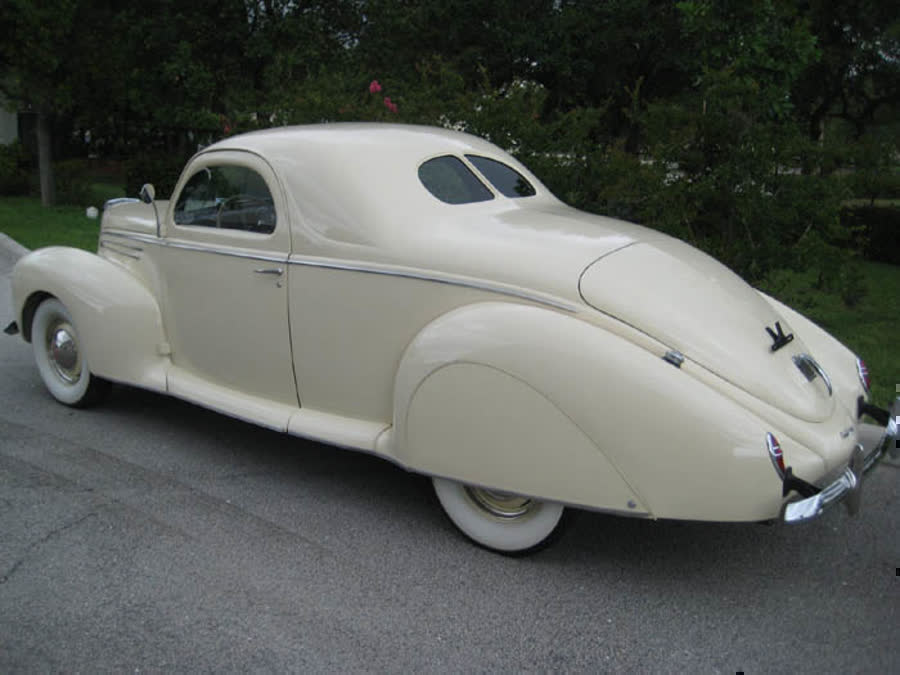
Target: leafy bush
x=734, y=180
x=73, y=182
x=877, y=231
x=870, y=163
x=874, y=184
x=14, y=170
x=161, y=170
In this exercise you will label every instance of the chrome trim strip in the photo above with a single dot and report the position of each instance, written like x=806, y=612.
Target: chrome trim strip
x=134, y=236
x=221, y=251
x=119, y=200
x=202, y=248
x=365, y=269
x=421, y=276
x=112, y=247
x=120, y=244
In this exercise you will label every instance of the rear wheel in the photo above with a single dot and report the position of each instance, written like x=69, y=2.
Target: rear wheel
x=501, y=521
x=60, y=358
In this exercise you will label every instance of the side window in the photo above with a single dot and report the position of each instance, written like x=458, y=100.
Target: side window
x=508, y=181
x=228, y=197
x=451, y=181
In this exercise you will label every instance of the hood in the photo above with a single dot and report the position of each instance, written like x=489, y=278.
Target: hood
x=132, y=215
x=694, y=304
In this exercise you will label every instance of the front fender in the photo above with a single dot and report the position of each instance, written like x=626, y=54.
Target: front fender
x=116, y=316
x=533, y=401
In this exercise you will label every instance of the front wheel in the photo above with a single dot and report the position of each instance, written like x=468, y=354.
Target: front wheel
x=501, y=521
x=60, y=358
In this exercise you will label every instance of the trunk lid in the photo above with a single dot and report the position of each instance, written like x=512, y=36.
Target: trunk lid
x=694, y=304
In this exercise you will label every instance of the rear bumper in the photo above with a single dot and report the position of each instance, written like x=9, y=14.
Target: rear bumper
x=875, y=442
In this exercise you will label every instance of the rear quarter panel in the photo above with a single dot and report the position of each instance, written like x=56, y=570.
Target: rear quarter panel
x=534, y=401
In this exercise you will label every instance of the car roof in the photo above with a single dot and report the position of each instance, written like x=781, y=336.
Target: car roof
x=359, y=136
x=354, y=180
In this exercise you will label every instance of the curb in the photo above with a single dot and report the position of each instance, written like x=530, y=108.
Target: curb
x=15, y=249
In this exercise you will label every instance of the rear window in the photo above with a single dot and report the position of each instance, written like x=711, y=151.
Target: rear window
x=451, y=181
x=508, y=181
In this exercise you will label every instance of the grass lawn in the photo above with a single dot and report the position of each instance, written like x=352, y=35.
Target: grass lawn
x=106, y=190
x=871, y=328
x=33, y=226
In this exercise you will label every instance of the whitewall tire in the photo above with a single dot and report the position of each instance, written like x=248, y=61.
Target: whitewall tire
x=60, y=358
x=500, y=521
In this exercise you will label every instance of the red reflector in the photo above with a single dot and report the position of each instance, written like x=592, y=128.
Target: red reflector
x=863, y=374
x=775, y=454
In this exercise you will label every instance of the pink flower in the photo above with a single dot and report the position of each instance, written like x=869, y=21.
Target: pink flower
x=389, y=104
x=374, y=87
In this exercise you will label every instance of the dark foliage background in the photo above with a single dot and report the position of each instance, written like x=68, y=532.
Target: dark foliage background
x=746, y=128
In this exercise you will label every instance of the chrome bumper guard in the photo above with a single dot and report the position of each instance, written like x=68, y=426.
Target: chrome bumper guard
x=847, y=486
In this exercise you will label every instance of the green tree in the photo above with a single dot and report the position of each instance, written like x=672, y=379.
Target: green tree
x=499, y=38
x=36, y=63
x=728, y=143
x=858, y=74
x=612, y=56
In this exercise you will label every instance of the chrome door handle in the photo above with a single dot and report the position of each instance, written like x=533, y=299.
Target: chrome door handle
x=277, y=271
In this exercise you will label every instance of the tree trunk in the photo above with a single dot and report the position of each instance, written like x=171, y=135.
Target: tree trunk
x=45, y=160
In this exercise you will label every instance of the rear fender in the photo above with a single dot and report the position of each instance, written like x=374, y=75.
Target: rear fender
x=532, y=401
x=472, y=403
x=116, y=316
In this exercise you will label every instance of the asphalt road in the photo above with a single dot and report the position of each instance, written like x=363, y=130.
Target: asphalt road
x=150, y=534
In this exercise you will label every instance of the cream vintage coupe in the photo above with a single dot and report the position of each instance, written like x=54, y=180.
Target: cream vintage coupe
x=416, y=293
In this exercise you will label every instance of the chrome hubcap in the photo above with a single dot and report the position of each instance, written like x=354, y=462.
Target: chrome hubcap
x=501, y=504
x=62, y=350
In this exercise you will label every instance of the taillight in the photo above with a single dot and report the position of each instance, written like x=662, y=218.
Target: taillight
x=775, y=454
x=863, y=373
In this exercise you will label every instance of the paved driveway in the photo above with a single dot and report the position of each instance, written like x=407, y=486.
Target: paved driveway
x=150, y=534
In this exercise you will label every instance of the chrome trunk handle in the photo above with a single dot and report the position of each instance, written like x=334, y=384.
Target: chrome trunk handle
x=810, y=368
x=277, y=271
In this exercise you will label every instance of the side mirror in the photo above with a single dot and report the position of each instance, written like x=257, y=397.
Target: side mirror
x=148, y=193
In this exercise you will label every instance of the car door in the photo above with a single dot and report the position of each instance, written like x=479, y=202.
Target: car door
x=227, y=241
